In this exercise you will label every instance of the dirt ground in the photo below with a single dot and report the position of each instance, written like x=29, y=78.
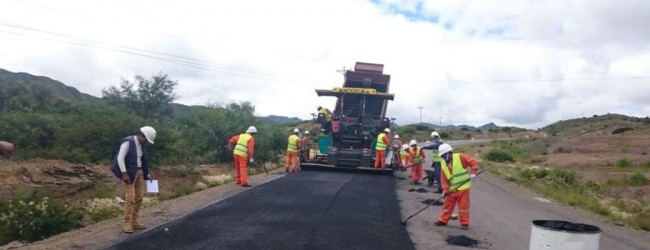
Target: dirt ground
x=73, y=182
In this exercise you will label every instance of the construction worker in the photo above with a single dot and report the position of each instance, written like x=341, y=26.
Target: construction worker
x=243, y=154
x=458, y=171
x=380, y=148
x=404, y=156
x=434, y=172
x=290, y=162
x=325, y=119
x=416, y=157
x=305, y=143
x=131, y=165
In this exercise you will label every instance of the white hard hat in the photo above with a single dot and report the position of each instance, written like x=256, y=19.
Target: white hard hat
x=444, y=148
x=387, y=130
x=306, y=132
x=434, y=133
x=405, y=147
x=396, y=136
x=148, y=133
x=413, y=142
x=251, y=129
x=296, y=130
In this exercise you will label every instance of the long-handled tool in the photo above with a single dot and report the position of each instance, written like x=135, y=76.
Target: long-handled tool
x=263, y=166
x=436, y=201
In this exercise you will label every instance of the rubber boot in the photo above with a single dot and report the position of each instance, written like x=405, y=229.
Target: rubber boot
x=135, y=224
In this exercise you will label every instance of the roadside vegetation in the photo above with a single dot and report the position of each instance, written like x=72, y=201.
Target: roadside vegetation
x=48, y=124
x=516, y=162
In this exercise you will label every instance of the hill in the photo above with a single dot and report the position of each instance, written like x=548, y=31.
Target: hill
x=22, y=91
x=600, y=125
x=274, y=119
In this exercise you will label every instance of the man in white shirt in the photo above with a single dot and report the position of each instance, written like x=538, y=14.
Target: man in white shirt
x=131, y=165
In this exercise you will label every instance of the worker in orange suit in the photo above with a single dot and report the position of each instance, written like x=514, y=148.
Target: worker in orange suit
x=305, y=144
x=416, y=158
x=244, y=146
x=458, y=172
x=380, y=148
x=291, y=160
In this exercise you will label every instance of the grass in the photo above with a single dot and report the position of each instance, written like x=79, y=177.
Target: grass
x=564, y=186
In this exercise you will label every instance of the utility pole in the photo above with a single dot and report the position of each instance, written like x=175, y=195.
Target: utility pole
x=420, y=108
x=342, y=71
x=440, y=122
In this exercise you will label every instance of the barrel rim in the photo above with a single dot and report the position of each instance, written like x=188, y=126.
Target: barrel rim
x=593, y=229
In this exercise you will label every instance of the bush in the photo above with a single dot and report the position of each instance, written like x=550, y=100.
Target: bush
x=100, y=209
x=624, y=163
x=497, y=155
x=561, y=177
x=533, y=174
x=637, y=180
x=621, y=130
x=33, y=218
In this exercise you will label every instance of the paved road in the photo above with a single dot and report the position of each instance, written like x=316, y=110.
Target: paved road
x=306, y=210
x=501, y=216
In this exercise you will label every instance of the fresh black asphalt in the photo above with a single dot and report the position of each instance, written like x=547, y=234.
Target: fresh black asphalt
x=304, y=210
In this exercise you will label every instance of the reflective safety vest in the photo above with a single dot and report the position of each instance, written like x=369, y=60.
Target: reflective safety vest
x=241, y=148
x=293, y=143
x=404, y=153
x=325, y=113
x=460, y=174
x=417, y=158
x=380, y=142
x=435, y=156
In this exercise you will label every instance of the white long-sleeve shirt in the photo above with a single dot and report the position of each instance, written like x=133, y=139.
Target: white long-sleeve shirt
x=124, y=149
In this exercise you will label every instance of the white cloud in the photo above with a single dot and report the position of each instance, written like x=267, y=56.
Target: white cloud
x=466, y=62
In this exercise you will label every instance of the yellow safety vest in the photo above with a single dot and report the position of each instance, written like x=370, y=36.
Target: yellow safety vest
x=326, y=114
x=380, y=142
x=460, y=174
x=404, y=153
x=241, y=148
x=417, y=159
x=293, y=143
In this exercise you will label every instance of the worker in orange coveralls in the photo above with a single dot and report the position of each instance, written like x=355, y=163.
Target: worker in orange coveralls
x=458, y=171
x=380, y=148
x=243, y=154
x=416, y=158
x=404, y=156
x=291, y=160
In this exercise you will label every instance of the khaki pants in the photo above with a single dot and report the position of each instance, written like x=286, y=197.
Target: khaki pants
x=133, y=194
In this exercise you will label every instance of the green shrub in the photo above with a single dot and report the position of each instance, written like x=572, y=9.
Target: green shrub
x=637, y=180
x=497, y=155
x=621, y=130
x=533, y=174
x=624, y=163
x=32, y=218
x=646, y=164
x=561, y=178
x=100, y=209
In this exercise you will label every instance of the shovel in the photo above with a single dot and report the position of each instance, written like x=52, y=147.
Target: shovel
x=436, y=201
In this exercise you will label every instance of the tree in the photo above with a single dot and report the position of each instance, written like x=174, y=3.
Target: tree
x=151, y=99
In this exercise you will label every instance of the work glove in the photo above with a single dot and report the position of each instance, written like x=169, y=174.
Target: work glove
x=230, y=149
x=251, y=160
x=472, y=176
x=444, y=195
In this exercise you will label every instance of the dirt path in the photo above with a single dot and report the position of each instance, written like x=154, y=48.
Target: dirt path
x=109, y=232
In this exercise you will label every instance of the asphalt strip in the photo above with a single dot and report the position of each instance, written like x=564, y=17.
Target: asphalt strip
x=305, y=210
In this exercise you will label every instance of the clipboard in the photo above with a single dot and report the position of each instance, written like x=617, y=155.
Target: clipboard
x=152, y=186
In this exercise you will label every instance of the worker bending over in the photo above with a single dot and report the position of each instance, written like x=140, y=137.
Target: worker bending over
x=416, y=157
x=243, y=154
x=458, y=171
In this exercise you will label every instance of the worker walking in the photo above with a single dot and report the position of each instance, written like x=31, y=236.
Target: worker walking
x=243, y=154
x=132, y=167
x=458, y=171
x=325, y=119
x=434, y=172
x=291, y=160
x=305, y=143
x=416, y=157
x=380, y=149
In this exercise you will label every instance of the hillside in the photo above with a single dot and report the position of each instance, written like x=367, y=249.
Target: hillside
x=600, y=125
